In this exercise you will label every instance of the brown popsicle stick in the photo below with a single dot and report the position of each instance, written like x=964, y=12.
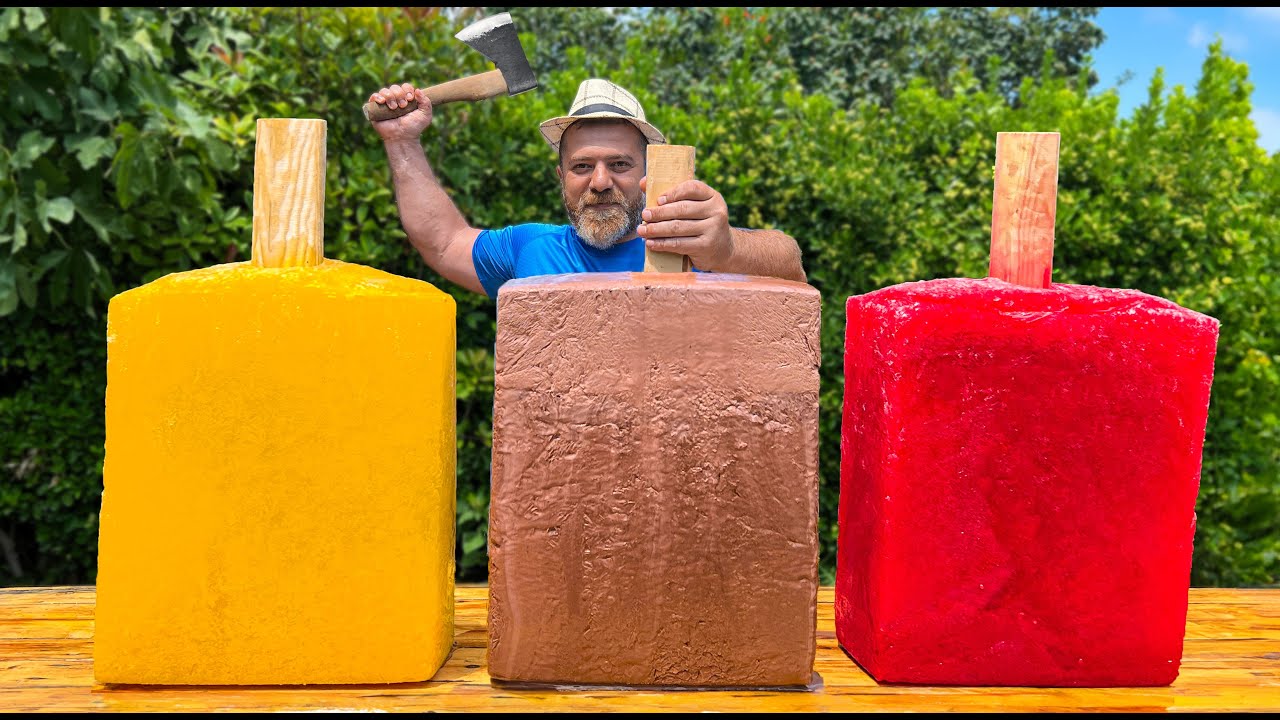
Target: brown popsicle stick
x=288, y=192
x=1024, y=207
x=666, y=166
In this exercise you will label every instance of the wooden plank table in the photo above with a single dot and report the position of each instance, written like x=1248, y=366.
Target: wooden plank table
x=1231, y=661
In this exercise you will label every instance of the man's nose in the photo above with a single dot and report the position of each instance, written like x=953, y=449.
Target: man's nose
x=601, y=179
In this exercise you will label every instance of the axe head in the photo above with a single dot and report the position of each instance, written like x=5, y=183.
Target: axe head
x=495, y=37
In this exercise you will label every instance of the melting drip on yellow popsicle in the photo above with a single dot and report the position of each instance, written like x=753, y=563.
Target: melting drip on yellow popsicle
x=288, y=193
x=1023, y=208
x=665, y=167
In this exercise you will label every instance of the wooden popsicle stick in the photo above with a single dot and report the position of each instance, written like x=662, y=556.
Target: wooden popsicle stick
x=1024, y=208
x=666, y=166
x=288, y=193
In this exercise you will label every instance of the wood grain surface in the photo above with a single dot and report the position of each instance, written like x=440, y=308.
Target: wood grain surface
x=666, y=166
x=1231, y=662
x=1024, y=208
x=288, y=192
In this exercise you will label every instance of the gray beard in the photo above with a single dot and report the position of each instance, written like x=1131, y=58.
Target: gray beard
x=603, y=230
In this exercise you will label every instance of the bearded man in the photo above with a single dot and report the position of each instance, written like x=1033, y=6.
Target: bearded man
x=601, y=143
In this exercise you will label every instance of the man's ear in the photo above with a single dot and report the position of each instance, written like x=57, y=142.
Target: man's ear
x=559, y=172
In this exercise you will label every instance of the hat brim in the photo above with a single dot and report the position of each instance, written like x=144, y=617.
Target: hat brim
x=553, y=129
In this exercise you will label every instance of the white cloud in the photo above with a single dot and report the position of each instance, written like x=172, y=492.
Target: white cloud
x=1267, y=121
x=1200, y=38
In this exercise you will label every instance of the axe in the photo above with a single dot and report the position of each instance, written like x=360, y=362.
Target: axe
x=495, y=37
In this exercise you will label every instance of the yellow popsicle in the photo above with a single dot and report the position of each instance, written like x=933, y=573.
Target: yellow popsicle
x=279, y=487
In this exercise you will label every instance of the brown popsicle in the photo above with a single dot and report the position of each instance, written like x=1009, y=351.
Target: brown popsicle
x=653, y=519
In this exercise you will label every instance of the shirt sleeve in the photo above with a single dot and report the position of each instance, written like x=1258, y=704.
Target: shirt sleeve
x=494, y=256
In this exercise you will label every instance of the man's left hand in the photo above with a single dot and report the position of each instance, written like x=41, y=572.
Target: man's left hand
x=690, y=219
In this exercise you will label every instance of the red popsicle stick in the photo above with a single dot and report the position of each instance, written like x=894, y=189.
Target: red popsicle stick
x=1024, y=207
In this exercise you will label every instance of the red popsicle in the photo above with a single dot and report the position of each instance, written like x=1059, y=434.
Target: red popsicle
x=1019, y=466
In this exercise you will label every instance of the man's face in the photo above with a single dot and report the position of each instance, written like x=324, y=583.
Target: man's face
x=600, y=169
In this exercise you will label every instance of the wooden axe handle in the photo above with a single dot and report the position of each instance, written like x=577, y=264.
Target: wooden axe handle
x=472, y=87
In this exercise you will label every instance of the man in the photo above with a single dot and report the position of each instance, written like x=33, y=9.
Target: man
x=601, y=143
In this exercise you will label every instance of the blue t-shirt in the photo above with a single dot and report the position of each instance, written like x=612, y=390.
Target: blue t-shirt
x=537, y=249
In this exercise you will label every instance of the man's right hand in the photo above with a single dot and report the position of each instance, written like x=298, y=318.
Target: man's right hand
x=405, y=127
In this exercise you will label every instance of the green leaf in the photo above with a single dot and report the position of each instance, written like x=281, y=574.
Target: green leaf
x=221, y=156
x=60, y=209
x=48, y=261
x=19, y=236
x=9, y=21
x=473, y=542
x=26, y=286
x=143, y=39
x=89, y=150
x=33, y=18
x=102, y=280
x=31, y=145
x=89, y=210
x=97, y=106
x=196, y=125
x=59, y=283
x=8, y=289
x=94, y=267
x=153, y=90
x=135, y=173
x=25, y=98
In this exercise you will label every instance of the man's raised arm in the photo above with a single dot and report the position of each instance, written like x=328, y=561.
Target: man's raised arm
x=435, y=226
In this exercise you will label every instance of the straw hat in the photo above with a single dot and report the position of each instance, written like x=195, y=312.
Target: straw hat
x=600, y=99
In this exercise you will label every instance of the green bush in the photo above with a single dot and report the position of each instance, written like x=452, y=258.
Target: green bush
x=145, y=167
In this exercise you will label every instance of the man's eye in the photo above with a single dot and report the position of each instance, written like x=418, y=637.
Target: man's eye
x=622, y=166
x=581, y=167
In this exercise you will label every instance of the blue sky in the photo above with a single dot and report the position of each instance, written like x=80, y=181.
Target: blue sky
x=1141, y=39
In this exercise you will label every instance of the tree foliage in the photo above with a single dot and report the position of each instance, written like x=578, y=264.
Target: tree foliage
x=127, y=153
x=853, y=55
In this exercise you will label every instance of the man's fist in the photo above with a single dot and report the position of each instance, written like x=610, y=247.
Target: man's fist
x=405, y=127
x=690, y=219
